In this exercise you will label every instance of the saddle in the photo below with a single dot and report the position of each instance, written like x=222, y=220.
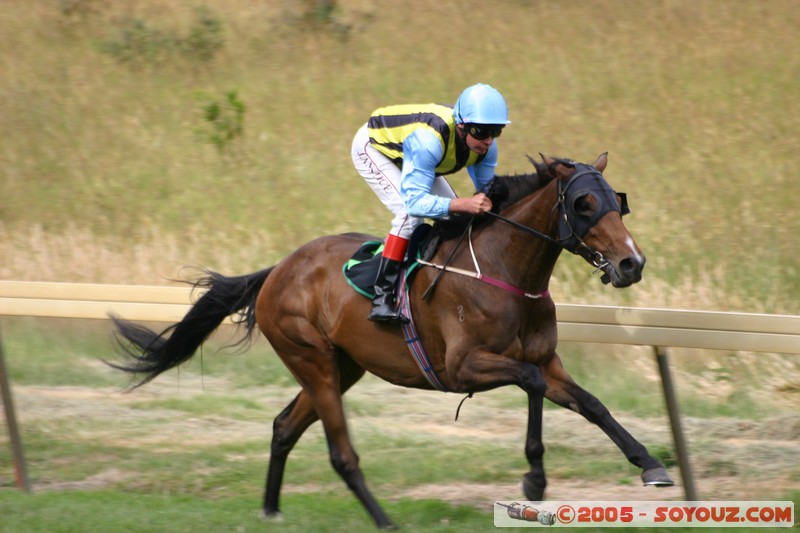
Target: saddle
x=361, y=269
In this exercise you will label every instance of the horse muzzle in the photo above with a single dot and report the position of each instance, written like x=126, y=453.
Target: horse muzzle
x=624, y=273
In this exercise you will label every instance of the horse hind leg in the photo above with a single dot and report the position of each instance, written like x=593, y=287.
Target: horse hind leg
x=328, y=404
x=563, y=390
x=287, y=429
x=324, y=375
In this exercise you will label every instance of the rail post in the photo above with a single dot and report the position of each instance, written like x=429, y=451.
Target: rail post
x=675, y=421
x=20, y=469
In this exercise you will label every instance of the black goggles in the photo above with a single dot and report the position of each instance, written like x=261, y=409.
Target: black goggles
x=484, y=131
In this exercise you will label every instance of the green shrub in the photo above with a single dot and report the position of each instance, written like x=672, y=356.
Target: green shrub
x=134, y=41
x=224, y=120
x=205, y=38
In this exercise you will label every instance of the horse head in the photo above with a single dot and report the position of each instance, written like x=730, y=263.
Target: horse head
x=590, y=222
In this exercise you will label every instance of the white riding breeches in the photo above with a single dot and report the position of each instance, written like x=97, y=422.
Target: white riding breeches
x=384, y=178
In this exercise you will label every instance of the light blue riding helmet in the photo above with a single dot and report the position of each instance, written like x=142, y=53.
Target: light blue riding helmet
x=481, y=104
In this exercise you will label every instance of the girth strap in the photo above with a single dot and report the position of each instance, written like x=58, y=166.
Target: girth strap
x=490, y=280
x=415, y=344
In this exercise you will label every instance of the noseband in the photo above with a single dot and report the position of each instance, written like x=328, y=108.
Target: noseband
x=571, y=226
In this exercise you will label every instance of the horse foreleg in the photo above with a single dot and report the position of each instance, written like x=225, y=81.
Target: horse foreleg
x=484, y=371
x=563, y=390
x=535, y=481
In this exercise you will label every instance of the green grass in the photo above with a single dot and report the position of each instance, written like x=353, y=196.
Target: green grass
x=185, y=450
x=63, y=353
x=57, y=353
x=105, y=511
x=208, y=404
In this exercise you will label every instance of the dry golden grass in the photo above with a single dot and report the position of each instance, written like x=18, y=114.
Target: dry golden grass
x=104, y=176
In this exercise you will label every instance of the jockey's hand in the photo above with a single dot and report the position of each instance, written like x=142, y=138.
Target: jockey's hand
x=475, y=205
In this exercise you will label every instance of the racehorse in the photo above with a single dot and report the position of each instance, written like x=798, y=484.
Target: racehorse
x=494, y=327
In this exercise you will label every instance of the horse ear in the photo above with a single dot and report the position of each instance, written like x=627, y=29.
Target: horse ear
x=543, y=169
x=557, y=167
x=602, y=161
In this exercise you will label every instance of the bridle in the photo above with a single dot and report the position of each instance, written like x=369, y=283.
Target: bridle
x=571, y=226
x=585, y=179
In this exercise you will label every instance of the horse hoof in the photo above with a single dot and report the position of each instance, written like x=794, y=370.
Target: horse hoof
x=275, y=516
x=533, y=490
x=657, y=477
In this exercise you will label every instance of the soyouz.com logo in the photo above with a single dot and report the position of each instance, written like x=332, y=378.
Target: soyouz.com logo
x=644, y=514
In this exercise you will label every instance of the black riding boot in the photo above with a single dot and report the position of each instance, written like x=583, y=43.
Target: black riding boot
x=384, y=304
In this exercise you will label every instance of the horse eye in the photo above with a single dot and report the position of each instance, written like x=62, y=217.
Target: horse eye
x=584, y=205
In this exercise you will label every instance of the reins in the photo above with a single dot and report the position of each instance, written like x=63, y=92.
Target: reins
x=435, y=281
x=526, y=229
x=580, y=248
x=477, y=274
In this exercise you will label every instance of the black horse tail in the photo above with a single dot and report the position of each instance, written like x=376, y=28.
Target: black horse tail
x=154, y=353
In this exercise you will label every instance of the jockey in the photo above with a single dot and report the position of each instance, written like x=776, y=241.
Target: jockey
x=404, y=151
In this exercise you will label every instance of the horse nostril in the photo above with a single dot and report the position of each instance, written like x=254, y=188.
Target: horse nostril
x=630, y=267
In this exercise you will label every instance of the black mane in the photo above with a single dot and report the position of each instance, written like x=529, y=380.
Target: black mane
x=507, y=190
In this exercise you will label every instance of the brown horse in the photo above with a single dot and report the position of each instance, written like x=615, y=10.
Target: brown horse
x=478, y=336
